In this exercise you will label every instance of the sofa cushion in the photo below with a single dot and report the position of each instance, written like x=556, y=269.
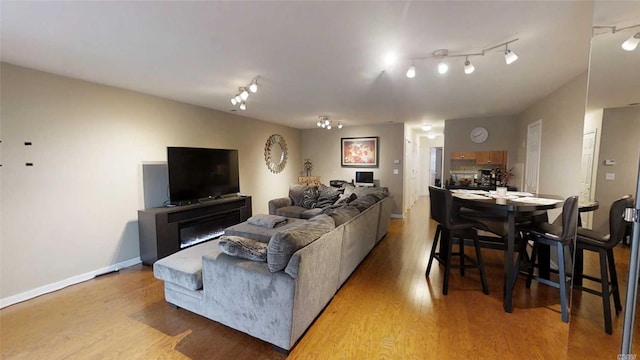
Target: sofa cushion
x=283, y=244
x=343, y=214
x=259, y=233
x=184, y=268
x=244, y=248
x=363, y=203
x=308, y=214
x=291, y=211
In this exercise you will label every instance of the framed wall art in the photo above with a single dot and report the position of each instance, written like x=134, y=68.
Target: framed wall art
x=360, y=152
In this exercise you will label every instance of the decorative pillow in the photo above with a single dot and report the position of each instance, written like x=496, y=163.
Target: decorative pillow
x=328, y=195
x=283, y=244
x=345, y=199
x=243, y=248
x=305, y=196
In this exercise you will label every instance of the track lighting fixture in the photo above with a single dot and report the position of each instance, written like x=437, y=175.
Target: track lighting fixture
x=631, y=43
x=468, y=67
x=628, y=45
x=442, y=54
x=243, y=94
x=325, y=123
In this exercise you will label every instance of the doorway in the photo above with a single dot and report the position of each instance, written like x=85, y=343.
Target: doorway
x=435, y=167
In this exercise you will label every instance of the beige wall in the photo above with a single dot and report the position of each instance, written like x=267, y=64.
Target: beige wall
x=502, y=136
x=620, y=141
x=75, y=211
x=562, y=113
x=323, y=148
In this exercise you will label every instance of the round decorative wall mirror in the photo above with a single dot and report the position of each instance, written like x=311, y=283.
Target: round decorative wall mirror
x=275, y=153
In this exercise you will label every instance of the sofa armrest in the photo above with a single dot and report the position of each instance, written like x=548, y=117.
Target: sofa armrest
x=316, y=271
x=278, y=203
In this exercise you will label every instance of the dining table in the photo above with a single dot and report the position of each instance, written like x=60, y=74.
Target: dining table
x=507, y=208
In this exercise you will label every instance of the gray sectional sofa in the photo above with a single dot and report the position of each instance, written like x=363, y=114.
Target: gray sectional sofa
x=306, y=263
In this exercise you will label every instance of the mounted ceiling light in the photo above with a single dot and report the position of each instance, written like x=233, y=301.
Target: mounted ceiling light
x=628, y=45
x=631, y=43
x=468, y=67
x=509, y=56
x=243, y=94
x=431, y=136
x=426, y=127
x=325, y=123
x=442, y=54
x=411, y=73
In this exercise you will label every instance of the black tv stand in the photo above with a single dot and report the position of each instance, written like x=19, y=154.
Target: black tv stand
x=164, y=231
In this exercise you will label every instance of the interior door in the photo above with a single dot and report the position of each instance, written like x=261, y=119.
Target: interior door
x=588, y=151
x=532, y=171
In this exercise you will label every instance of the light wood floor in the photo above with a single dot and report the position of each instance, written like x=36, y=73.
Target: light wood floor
x=386, y=310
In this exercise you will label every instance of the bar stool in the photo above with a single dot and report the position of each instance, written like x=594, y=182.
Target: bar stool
x=553, y=235
x=449, y=227
x=603, y=244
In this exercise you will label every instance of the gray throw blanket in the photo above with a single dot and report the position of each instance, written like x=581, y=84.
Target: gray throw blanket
x=268, y=221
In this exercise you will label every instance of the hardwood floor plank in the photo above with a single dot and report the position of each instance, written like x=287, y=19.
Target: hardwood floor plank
x=387, y=309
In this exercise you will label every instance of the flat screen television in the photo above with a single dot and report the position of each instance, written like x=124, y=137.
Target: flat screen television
x=197, y=173
x=364, y=178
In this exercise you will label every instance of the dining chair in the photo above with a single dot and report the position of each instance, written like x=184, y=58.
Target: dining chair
x=603, y=244
x=560, y=237
x=451, y=226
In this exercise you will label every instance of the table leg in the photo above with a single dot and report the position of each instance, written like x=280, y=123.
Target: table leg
x=508, y=264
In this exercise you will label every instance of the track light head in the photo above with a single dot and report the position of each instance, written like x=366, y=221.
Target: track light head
x=468, y=67
x=631, y=43
x=233, y=101
x=254, y=86
x=244, y=94
x=243, y=106
x=340, y=125
x=509, y=56
x=411, y=73
x=443, y=68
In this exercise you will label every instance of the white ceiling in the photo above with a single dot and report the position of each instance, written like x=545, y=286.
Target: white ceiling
x=313, y=58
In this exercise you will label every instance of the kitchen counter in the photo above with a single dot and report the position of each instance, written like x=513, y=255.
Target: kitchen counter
x=477, y=187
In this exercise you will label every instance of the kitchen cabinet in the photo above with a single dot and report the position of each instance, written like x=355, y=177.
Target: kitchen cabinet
x=463, y=155
x=491, y=157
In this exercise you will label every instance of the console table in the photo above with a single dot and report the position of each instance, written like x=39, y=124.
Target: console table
x=164, y=231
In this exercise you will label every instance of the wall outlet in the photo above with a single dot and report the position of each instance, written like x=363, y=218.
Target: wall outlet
x=610, y=176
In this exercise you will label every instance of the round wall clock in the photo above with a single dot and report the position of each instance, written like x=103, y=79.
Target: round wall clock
x=479, y=135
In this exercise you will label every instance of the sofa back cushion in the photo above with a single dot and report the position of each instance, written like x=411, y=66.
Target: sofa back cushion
x=283, y=244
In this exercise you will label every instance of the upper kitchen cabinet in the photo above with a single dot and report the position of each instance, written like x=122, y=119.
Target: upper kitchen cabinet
x=463, y=155
x=491, y=157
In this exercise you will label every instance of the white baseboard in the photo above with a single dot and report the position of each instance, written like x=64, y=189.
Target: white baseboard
x=397, y=216
x=66, y=282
